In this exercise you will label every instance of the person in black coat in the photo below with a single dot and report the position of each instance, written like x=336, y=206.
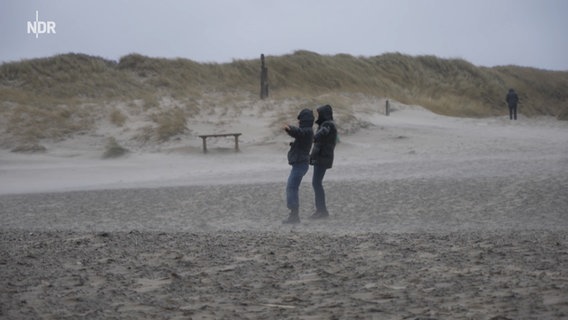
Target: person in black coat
x=321, y=156
x=298, y=158
x=512, y=100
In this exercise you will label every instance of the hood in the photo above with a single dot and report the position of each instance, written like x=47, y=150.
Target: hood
x=306, y=118
x=325, y=113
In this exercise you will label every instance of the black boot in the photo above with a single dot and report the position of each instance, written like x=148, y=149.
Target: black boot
x=320, y=215
x=293, y=218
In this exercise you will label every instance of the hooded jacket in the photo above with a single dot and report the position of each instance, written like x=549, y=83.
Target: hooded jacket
x=324, y=139
x=303, y=138
x=512, y=98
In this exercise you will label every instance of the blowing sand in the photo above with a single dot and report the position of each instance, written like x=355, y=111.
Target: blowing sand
x=431, y=218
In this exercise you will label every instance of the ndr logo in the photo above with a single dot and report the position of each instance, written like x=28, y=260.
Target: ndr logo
x=36, y=27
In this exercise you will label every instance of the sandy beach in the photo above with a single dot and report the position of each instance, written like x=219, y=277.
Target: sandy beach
x=432, y=217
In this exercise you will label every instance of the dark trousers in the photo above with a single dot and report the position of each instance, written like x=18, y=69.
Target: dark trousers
x=317, y=183
x=513, y=112
x=298, y=171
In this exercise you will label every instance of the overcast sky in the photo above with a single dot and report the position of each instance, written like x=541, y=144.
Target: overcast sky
x=530, y=33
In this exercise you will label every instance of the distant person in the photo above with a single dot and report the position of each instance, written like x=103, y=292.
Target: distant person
x=298, y=158
x=321, y=157
x=512, y=100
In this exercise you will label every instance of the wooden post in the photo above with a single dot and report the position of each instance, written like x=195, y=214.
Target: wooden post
x=236, y=143
x=263, y=79
x=204, y=144
x=387, y=108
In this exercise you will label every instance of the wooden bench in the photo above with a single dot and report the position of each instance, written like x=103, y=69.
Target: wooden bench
x=205, y=136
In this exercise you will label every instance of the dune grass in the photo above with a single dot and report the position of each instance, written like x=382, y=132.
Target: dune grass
x=54, y=97
x=113, y=149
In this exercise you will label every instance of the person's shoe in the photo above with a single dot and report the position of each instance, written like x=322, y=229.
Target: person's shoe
x=293, y=218
x=320, y=215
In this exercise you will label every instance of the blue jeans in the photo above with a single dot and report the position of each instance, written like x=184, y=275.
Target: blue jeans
x=317, y=183
x=299, y=170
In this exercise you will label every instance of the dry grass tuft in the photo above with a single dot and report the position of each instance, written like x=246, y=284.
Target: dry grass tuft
x=170, y=123
x=113, y=149
x=32, y=123
x=29, y=148
x=117, y=118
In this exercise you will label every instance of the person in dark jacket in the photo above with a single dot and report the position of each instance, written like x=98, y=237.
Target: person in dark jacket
x=512, y=99
x=298, y=158
x=321, y=156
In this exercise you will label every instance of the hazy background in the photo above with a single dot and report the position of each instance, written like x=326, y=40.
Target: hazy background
x=484, y=32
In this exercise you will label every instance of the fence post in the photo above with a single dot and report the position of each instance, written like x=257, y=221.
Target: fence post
x=236, y=142
x=387, y=108
x=263, y=79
